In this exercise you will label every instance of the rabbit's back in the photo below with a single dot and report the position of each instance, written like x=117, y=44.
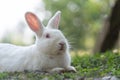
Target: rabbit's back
x=9, y=50
x=6, y=48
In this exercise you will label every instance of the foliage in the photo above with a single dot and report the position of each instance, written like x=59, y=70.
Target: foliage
x=87, y=66
x=81, y=19
x=98, y=65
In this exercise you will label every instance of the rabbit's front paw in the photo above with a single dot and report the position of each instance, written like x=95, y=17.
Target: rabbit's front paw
x=71, y=69
x=57, y=70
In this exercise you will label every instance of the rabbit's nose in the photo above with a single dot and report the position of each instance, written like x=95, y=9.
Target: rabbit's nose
x=62, y=44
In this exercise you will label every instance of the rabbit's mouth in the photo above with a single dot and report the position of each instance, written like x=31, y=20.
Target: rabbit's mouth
x=61, y=48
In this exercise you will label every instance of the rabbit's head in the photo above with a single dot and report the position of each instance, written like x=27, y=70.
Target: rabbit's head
x=49, y=39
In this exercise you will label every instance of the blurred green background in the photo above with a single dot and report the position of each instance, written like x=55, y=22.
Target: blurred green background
x=81, y=21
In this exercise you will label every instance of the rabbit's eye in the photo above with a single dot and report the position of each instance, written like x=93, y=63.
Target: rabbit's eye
x=47, y=36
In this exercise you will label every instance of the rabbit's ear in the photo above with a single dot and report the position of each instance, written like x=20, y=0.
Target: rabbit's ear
x=34, y=23
x=54, y=21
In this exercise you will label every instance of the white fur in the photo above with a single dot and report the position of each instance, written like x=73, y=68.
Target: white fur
x=44, y=55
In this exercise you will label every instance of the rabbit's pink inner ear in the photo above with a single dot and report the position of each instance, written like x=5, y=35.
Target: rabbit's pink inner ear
x=32, y=21
x=56, y=21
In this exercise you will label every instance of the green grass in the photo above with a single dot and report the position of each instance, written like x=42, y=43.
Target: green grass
x=87, y=66
x=98, y=65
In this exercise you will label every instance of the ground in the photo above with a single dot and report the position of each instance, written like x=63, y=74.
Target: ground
x=89, y=67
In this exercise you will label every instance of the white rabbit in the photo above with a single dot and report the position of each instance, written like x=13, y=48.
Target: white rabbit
x=49, y=53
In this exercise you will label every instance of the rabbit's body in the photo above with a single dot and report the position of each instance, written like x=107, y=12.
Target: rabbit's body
x=25, y=58
x=14, y=58
x=49, y=53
